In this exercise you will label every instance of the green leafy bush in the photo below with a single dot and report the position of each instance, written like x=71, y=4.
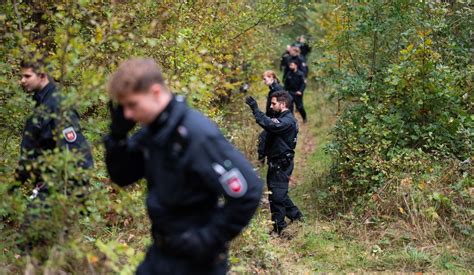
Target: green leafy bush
x=401, y=73
x=208, y=50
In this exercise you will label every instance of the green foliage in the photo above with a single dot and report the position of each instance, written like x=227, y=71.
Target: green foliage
x=121, y=258
x=207, y=49
x=402, y=73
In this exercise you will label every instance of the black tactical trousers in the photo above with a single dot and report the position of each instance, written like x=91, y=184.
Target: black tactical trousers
x=281, y=206
x=160, y=261
x=298, y=99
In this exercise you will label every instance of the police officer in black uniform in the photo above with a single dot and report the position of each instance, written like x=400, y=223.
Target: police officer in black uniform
x=295, y=85
x=280, y=145
x=295, y=57
x=304, y=47
x=48, y=128
x=270, y=79
x=284, y=59
x=201, y=191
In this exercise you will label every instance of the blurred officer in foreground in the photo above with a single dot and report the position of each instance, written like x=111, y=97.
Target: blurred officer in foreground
x=49, y=127
x=201, y=191
x=282, y=131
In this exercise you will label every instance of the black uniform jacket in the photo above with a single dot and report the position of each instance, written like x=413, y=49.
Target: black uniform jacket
x=282, y=132
x=294, y=82
x=49, y=127
x=305, y=48
x=300, y=62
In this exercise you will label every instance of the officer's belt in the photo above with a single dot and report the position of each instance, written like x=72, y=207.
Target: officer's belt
x=286, y=156
x=277, y=161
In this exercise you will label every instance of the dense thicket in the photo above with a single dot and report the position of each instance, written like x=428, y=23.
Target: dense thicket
x=208, y=50
x=402, y=74
x=400, y=71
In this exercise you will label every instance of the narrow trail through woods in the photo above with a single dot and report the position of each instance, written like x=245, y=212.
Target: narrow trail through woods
x=322, y=244
x=309, y=243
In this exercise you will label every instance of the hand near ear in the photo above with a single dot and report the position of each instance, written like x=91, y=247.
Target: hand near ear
x=120, y=126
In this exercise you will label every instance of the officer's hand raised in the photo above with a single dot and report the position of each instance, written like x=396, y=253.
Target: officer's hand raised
x=252, y=103
x=120, y=126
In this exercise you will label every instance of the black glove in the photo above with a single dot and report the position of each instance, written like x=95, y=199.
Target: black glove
x=191, y=244
x=252, y=103
x=120, y=126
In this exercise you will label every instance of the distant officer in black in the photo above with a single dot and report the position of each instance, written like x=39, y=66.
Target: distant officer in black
x=304, y=47
x=284, y=59
x=201, y=191
x=282, y=132
x=295, y=85
x=270, y=79
x=298, y=59
x=50, y=126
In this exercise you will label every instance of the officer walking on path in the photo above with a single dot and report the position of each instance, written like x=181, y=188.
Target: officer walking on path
x=280, y=145
x=295, y=85
x=295, y=57
x=188, y=166
x=285, y=57
x=304, y=47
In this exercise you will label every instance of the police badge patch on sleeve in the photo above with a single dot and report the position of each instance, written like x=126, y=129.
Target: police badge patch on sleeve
x=232, y=181
x=70, y=134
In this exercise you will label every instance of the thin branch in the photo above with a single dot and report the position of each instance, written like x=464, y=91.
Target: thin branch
x=17, y=13
x=65, y=46
x=249, y=28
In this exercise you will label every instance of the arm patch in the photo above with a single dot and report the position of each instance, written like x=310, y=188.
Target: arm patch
x=234, y=183
x=70, y=134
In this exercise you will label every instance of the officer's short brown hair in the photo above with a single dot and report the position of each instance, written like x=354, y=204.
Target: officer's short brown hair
x=282, y=97
x=134, y=76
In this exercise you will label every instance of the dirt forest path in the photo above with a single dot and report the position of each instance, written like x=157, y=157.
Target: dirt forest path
x=317, y=244
x=306, y=147
x=313, y=245
x=322, y=244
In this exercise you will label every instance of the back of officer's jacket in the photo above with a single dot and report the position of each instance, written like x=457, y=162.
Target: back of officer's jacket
x=188, y=165
x=49, y=127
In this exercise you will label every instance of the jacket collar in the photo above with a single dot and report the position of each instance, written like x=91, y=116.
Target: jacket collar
x=274, y=87
x=165, y=124
x=40, y=96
